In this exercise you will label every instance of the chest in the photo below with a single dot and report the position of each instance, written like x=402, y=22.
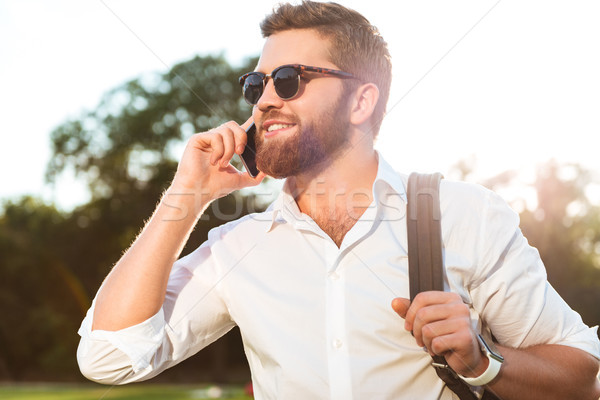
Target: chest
x=306, y=285
x=335, y=223
x=309, y=309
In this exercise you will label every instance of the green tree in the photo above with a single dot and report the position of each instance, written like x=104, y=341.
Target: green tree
x=129, y=142
x=40, y=295
x=565, y=228
x=52, y=263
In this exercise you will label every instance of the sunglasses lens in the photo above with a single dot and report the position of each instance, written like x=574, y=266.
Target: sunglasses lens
x=253, y=88
x=286, y=82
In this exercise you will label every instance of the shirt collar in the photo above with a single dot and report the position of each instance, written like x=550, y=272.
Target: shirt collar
x=284, y=208
x=388, y=181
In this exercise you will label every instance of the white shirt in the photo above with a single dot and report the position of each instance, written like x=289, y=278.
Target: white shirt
x=316, y=320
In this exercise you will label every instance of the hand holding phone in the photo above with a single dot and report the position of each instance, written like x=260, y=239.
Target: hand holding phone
x=249, y=155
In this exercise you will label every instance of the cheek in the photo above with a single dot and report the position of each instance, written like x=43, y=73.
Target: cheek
x=319, y=93
x=308, y=110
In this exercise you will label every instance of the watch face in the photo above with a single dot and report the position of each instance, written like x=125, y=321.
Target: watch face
x=490, y=349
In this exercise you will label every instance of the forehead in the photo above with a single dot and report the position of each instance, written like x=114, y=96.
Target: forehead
x=297, y=46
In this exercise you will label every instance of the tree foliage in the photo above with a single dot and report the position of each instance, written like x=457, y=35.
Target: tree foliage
x=565, y=228
x=129, y=141
x=37, y=295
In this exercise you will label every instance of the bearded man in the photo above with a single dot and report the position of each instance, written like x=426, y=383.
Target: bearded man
x=318, y=283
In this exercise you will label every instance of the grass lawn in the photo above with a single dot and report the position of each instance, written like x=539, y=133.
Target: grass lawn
x=128, y=392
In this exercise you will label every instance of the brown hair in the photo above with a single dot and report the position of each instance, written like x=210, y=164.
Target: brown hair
x=356, y=45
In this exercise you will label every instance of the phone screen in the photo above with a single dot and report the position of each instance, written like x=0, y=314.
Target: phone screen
x=249, y=155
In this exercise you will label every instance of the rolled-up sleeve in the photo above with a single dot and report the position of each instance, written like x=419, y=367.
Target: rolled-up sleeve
x=193, y=316
x=120, y=356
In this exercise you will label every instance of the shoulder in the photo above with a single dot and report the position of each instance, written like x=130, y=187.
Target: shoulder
x=246, y=229
x=229, y=240
x=478, y=227
x=473, y=204
x=459, y=194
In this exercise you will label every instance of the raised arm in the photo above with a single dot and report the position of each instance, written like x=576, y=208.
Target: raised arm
x=135, y=288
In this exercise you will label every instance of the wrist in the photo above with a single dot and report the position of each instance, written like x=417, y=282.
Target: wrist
x=490, y=373
x=481, y=367
x=492, y=365
x=181, y=203
x=184, y=184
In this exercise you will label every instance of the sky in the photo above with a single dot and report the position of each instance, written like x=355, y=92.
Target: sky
x=508, y=84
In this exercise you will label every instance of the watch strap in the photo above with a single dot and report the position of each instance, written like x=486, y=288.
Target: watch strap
x=488, y=375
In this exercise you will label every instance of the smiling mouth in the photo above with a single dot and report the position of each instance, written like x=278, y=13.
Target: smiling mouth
x=276, y=127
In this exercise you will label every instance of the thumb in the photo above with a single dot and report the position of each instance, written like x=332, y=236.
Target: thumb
x=241, y=180
x=401, y=305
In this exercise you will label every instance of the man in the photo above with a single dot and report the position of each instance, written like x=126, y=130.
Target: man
x=310, y=281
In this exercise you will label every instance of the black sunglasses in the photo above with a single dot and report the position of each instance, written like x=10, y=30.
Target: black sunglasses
x=286, y=80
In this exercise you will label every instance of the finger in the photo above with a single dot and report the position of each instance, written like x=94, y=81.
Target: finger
x=426, y=316
x=228, y=144
x=435, y=336
x=438, y=312
x=248, y=122
x=217, y=147
x=426, y=299
x=461, y=351
x=256, y=180
x=435, y=297
x=243, y=179
x=401, y=305
x=261, y=175
x=450, y=336
x=241, y=138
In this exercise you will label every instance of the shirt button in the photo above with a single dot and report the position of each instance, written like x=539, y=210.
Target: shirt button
x=334, y=276
x=337, y=343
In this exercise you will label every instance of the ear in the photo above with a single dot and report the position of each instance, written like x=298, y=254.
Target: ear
x=363, y=103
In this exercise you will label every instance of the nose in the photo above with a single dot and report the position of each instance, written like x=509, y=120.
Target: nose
x=269, y=98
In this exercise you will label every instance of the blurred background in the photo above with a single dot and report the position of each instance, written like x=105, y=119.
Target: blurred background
x=97, y=99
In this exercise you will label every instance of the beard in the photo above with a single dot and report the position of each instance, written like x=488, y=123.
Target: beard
x=311, y=149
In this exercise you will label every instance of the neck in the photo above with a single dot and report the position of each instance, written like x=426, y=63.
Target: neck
x=336, y=196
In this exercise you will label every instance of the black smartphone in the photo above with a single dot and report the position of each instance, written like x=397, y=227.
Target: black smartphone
x=249, y=155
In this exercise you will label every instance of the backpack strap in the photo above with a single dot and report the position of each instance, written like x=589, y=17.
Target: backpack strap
x=425, y=261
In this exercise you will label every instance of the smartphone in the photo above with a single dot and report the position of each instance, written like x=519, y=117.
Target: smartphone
x=249, y=155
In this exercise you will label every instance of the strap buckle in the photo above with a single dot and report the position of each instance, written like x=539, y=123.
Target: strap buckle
x=439, y=365
x=444, y=369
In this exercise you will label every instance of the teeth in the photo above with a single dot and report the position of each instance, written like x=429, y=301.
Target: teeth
x=274, y=127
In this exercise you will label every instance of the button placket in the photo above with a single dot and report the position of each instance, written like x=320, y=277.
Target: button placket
x=338, y=358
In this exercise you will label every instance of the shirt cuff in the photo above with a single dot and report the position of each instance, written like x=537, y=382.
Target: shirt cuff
x=138, y=342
